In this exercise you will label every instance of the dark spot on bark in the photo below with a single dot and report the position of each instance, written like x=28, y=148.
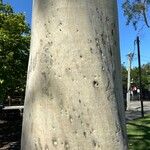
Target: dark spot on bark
x=114, y=75
x=107, y=19
x=79, y=101
x=94, y=143
x=60, y=30
x=112, y=32
x=66, y=145
x=79, y=116
x=81, y=56
x=95, y=84
x=77, y=30
x=97, y=11
x=54, y=142
x=103, y=41
x=36, y=147
x=84, y=77
x=87, y=124
x=70, y=119
x=103, y=68
x=91, y=50
x=50, y=43
x=89, y=41
x=110, y=51
x=84, y=133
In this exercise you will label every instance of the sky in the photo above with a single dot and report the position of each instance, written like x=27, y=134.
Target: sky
x=127, y=33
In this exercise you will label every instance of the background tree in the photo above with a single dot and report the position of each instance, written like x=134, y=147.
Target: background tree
x=74, y=93
x=135, y=77
x=137, y=11
x=14, y=51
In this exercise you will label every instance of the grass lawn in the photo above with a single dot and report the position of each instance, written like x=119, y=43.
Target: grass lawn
x=139, y=133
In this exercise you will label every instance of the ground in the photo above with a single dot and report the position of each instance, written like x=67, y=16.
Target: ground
x=10, y=133
x=139, y=133
x=138, y=130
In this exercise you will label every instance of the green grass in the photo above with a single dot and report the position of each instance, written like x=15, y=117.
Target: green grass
x=139, y=133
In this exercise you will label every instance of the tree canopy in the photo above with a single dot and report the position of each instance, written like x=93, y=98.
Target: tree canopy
x=14, y=51
x=137, y=11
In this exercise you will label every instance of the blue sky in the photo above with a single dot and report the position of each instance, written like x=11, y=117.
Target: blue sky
x=127, y=33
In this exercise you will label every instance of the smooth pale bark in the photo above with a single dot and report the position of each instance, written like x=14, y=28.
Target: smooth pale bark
x=74, y=95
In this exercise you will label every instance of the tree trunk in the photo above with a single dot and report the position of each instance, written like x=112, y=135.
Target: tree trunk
x=74, y=93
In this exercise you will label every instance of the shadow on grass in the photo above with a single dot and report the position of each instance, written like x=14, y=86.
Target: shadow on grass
x=139, y=134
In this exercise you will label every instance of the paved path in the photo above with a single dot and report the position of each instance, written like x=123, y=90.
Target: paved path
x=135, y=110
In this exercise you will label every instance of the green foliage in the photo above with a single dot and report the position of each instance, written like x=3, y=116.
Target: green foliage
x=136, y=11
x=14, y=52
x=145, y=69
x=138, y=133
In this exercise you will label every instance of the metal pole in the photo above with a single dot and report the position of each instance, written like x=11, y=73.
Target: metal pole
x=140, y=81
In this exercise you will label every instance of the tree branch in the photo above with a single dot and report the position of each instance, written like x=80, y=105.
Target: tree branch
x=144, y=15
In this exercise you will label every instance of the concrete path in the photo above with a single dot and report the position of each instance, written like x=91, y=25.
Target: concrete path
x=135, y=110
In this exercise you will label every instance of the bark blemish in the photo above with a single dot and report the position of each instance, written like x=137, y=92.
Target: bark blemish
x=103, y=68
x=66, y=145
x=103, y=41
x=91, y=50
x=81, y=56
x=112, y=32
x=60, y=23
x=84, y=77
x=107, y=19
x=70, y=119
x=54, y=142
x=95, y=84
x=94, y=143
x=89, y=41
x=84, y=133
x=79, y=101
x=87, y=124
x=50, y=43
x=110, y=51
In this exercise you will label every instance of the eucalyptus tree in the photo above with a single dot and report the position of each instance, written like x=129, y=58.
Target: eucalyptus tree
x=74, y=92
x=137, y=11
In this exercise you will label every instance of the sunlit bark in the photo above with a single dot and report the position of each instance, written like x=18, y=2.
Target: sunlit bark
x=74, y=95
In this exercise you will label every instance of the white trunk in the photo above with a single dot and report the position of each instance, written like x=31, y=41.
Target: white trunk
x=74, y=95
